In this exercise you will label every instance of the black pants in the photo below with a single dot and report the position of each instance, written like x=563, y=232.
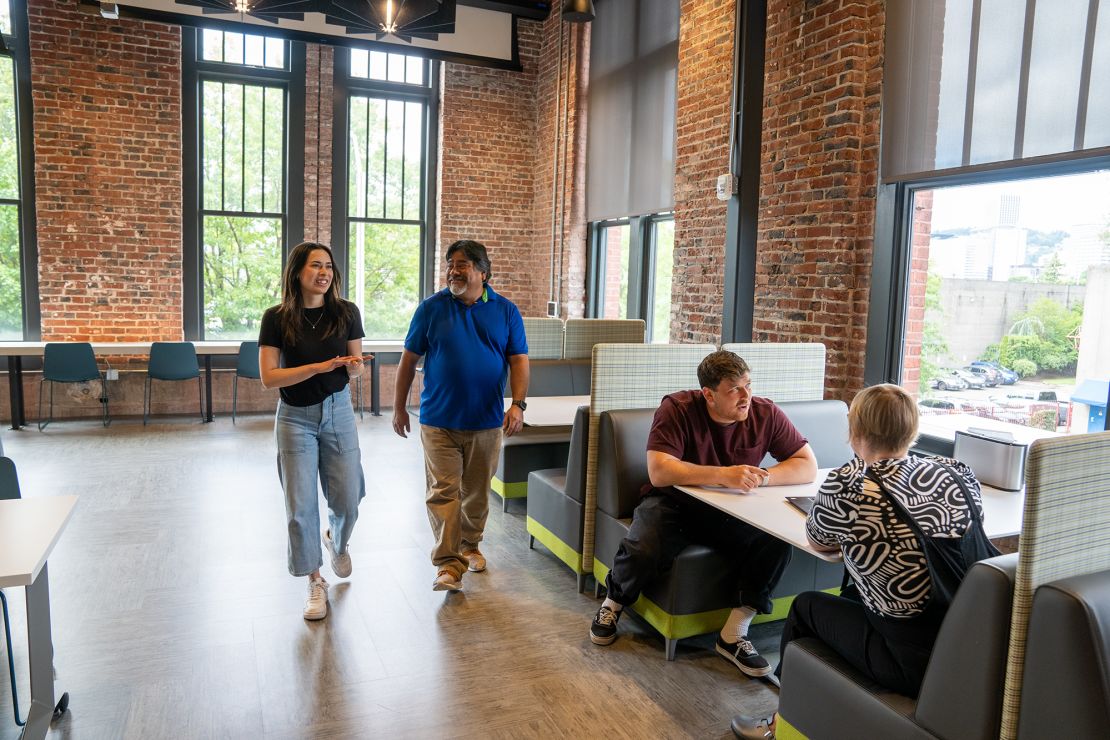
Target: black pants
x=893, y=653
x=663, y=524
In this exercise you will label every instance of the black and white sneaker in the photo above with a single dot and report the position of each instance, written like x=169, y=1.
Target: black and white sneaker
x=744, y=656
x=603, y=630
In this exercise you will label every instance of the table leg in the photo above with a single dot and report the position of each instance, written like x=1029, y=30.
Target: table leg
x=208, y=388
x=375, y=396
x=15, y=390
x=41, y=654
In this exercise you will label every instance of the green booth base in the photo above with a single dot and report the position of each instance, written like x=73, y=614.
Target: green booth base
x=674, y=627
x=786, y=731
x=508, y=490
x=558, y=548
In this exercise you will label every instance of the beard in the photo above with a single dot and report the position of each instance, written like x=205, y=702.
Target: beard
x=457, y=289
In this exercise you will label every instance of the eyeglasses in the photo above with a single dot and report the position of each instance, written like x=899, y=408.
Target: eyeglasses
x=460, y=265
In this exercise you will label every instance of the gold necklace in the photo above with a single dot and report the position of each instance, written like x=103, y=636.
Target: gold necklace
x=319, y=318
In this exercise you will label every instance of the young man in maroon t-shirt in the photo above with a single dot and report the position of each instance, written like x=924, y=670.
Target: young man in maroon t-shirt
x=716, y=436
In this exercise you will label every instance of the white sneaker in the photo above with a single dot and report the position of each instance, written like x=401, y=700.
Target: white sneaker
x=317, y=605
x=340, y=563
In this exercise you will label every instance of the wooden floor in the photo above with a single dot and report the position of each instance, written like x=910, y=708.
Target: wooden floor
x=175, y=617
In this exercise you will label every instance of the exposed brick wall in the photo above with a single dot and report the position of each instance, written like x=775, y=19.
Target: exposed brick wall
x=702, y=121
x=915, y=304
x=318, y=120
x=486, y=171
x=560, y=110
x=818, y=182
x=107, y=174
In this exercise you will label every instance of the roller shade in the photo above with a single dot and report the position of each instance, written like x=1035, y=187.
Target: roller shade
x=631, y=125
x=969, y=83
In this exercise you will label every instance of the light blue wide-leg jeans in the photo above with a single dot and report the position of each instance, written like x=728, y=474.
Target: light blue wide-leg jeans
x=318, y=442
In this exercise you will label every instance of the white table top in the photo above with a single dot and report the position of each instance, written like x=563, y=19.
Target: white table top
x=551, y=411
x=767, y=509
x=29, y=529
x=945, y=426
x=207, y=347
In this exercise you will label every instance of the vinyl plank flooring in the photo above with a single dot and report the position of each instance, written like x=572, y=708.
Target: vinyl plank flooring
x=175, y=617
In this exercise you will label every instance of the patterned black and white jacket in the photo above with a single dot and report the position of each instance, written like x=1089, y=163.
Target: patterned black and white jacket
x=881, y=553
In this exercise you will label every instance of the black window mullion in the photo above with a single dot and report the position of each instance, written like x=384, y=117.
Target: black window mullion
x=404, y=151
x=223, y=139
x=366, y=165
x=385, y=157
x=264, y=132
x=243, y=144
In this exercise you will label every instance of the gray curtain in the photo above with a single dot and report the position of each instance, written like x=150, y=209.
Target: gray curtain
x=631, y=129
x=969, y=83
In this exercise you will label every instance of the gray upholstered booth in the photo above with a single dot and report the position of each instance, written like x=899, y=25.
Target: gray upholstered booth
x=1066, y=677
x=555, y=501
x=961, y=697
x=695, y=596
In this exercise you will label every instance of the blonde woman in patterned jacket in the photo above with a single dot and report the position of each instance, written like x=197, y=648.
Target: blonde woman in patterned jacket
x=887, y=628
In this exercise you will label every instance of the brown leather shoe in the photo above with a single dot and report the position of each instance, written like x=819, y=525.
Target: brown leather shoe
x=476, y=560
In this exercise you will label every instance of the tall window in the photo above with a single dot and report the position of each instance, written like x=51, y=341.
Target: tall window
x=16, y=244
x=630, y=272
x=1007, y=286
x=992, y=264
x=388, y=119
x=242, y=219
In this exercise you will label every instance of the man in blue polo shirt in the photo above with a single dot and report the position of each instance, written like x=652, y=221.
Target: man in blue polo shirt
x=469, y=336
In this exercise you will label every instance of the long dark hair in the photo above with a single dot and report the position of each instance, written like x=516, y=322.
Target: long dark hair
x=337, y=312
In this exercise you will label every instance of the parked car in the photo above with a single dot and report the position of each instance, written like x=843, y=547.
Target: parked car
x=945, y=380
x=932, y=405
x=1044, y=397
x=990, y=376
x=973, y=380
x=1009, y=377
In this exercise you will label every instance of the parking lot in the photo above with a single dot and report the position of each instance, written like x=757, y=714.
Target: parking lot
x=1026, y=402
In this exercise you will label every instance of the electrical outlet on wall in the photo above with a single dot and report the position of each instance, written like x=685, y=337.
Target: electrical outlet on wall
x=726, y=186
x=553, y=309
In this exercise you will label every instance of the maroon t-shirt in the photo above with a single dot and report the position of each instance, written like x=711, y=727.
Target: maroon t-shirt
x=683, y=428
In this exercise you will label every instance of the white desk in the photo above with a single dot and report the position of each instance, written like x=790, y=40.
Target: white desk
x=551, y=411
x=767, y=509
x=16, y=351
x=29, y=529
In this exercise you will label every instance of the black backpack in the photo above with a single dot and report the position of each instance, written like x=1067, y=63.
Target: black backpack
x=948, y=558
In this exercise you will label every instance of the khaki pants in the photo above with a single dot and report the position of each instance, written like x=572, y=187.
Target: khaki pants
x=458, y=465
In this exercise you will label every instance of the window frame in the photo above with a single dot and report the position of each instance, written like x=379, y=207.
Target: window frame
x=642, y=257
x=890, y=267
x=345, y=86
x=19, y=51
x=194, y=72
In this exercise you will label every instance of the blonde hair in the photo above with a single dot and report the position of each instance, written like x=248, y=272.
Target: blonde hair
x=885, y=417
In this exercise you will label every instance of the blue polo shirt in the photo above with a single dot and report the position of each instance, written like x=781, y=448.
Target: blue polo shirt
x=466, y=353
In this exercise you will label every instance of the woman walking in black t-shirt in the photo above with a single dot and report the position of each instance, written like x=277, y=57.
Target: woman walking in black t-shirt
x=310, y=345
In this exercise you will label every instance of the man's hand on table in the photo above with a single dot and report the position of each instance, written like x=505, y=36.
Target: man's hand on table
x=745, y=478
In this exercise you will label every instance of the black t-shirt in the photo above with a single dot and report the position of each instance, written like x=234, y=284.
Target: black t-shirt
x=310, y=348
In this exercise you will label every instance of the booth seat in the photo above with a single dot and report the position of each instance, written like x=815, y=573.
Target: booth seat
x=556, y=497
x=539, y=448
x=695, y=596
x=1066, y=676
x=961, y=698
